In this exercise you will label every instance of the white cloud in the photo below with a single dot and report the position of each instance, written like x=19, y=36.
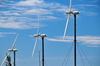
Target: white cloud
x=42, y=8
x=18, y=25
x=38, y=11
x=27, y=8
x=89, y=13
x=90, y=40
x=42, y=5
x=9, y=13
x=2, y=34
x=60, y=40
x=93, y=46
x=95, y=1
x=38, y=3
x=18, y=13
x=2, y=6
x=49, y=17
x=85, y=5
x=13, y=25
x=18, y=22
x=29, y=3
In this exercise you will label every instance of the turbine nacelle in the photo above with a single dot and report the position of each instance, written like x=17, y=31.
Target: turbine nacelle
x=67, y=12
x=14, y=50
x=74, y=12
x=43, y=35
x=35, y=35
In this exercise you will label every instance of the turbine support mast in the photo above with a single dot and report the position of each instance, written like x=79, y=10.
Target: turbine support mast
x=14, y=50
x=39, y=57
x=74, y=13
x=42, y=36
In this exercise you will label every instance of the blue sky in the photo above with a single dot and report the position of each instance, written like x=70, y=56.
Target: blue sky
x=21, y=16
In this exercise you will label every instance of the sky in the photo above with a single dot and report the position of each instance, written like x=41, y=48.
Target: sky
x=21, y=17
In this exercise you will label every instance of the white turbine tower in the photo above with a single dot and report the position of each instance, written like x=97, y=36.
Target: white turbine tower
x=11, y=49
x=69, y=14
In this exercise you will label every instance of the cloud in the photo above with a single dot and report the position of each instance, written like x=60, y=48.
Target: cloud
x=17, y=14
x=2, y=34
x=22, y=14
x=40, y=5
x=2, y=6
x=14, y=25
x=86, y=5
x=93, y=46
x=18, y=23
x=60, y=40
x=29, y=3
x=9, y=13
x=94, y=1
x=89, y=40
x=90, y=13
x=38, y=11
x=49, y=17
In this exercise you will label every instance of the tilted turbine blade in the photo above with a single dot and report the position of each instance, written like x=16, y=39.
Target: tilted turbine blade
x=38, y=29
x=66, y=27
x=37, y=35
x=70, y=7
x=14, y=41
x=35, y=46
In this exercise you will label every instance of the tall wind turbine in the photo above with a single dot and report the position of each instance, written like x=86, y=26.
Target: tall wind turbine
x=37, y=36
x=74, y=13
x=13, y=45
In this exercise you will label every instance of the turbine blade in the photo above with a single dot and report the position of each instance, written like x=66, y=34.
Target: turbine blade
x=38, y=29
x=34, y=46
x=70, y=7
x=5, y=59
x=14, y=41
x=66, y=27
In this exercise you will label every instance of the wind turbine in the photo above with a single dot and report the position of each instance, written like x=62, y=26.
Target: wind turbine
x=37, y=36
x=11, y=51
x=68, y=19
x=66, y=27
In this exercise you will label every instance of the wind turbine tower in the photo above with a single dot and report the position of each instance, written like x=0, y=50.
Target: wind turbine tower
x=12, y=48
x=66, y=27
x=37, y=36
